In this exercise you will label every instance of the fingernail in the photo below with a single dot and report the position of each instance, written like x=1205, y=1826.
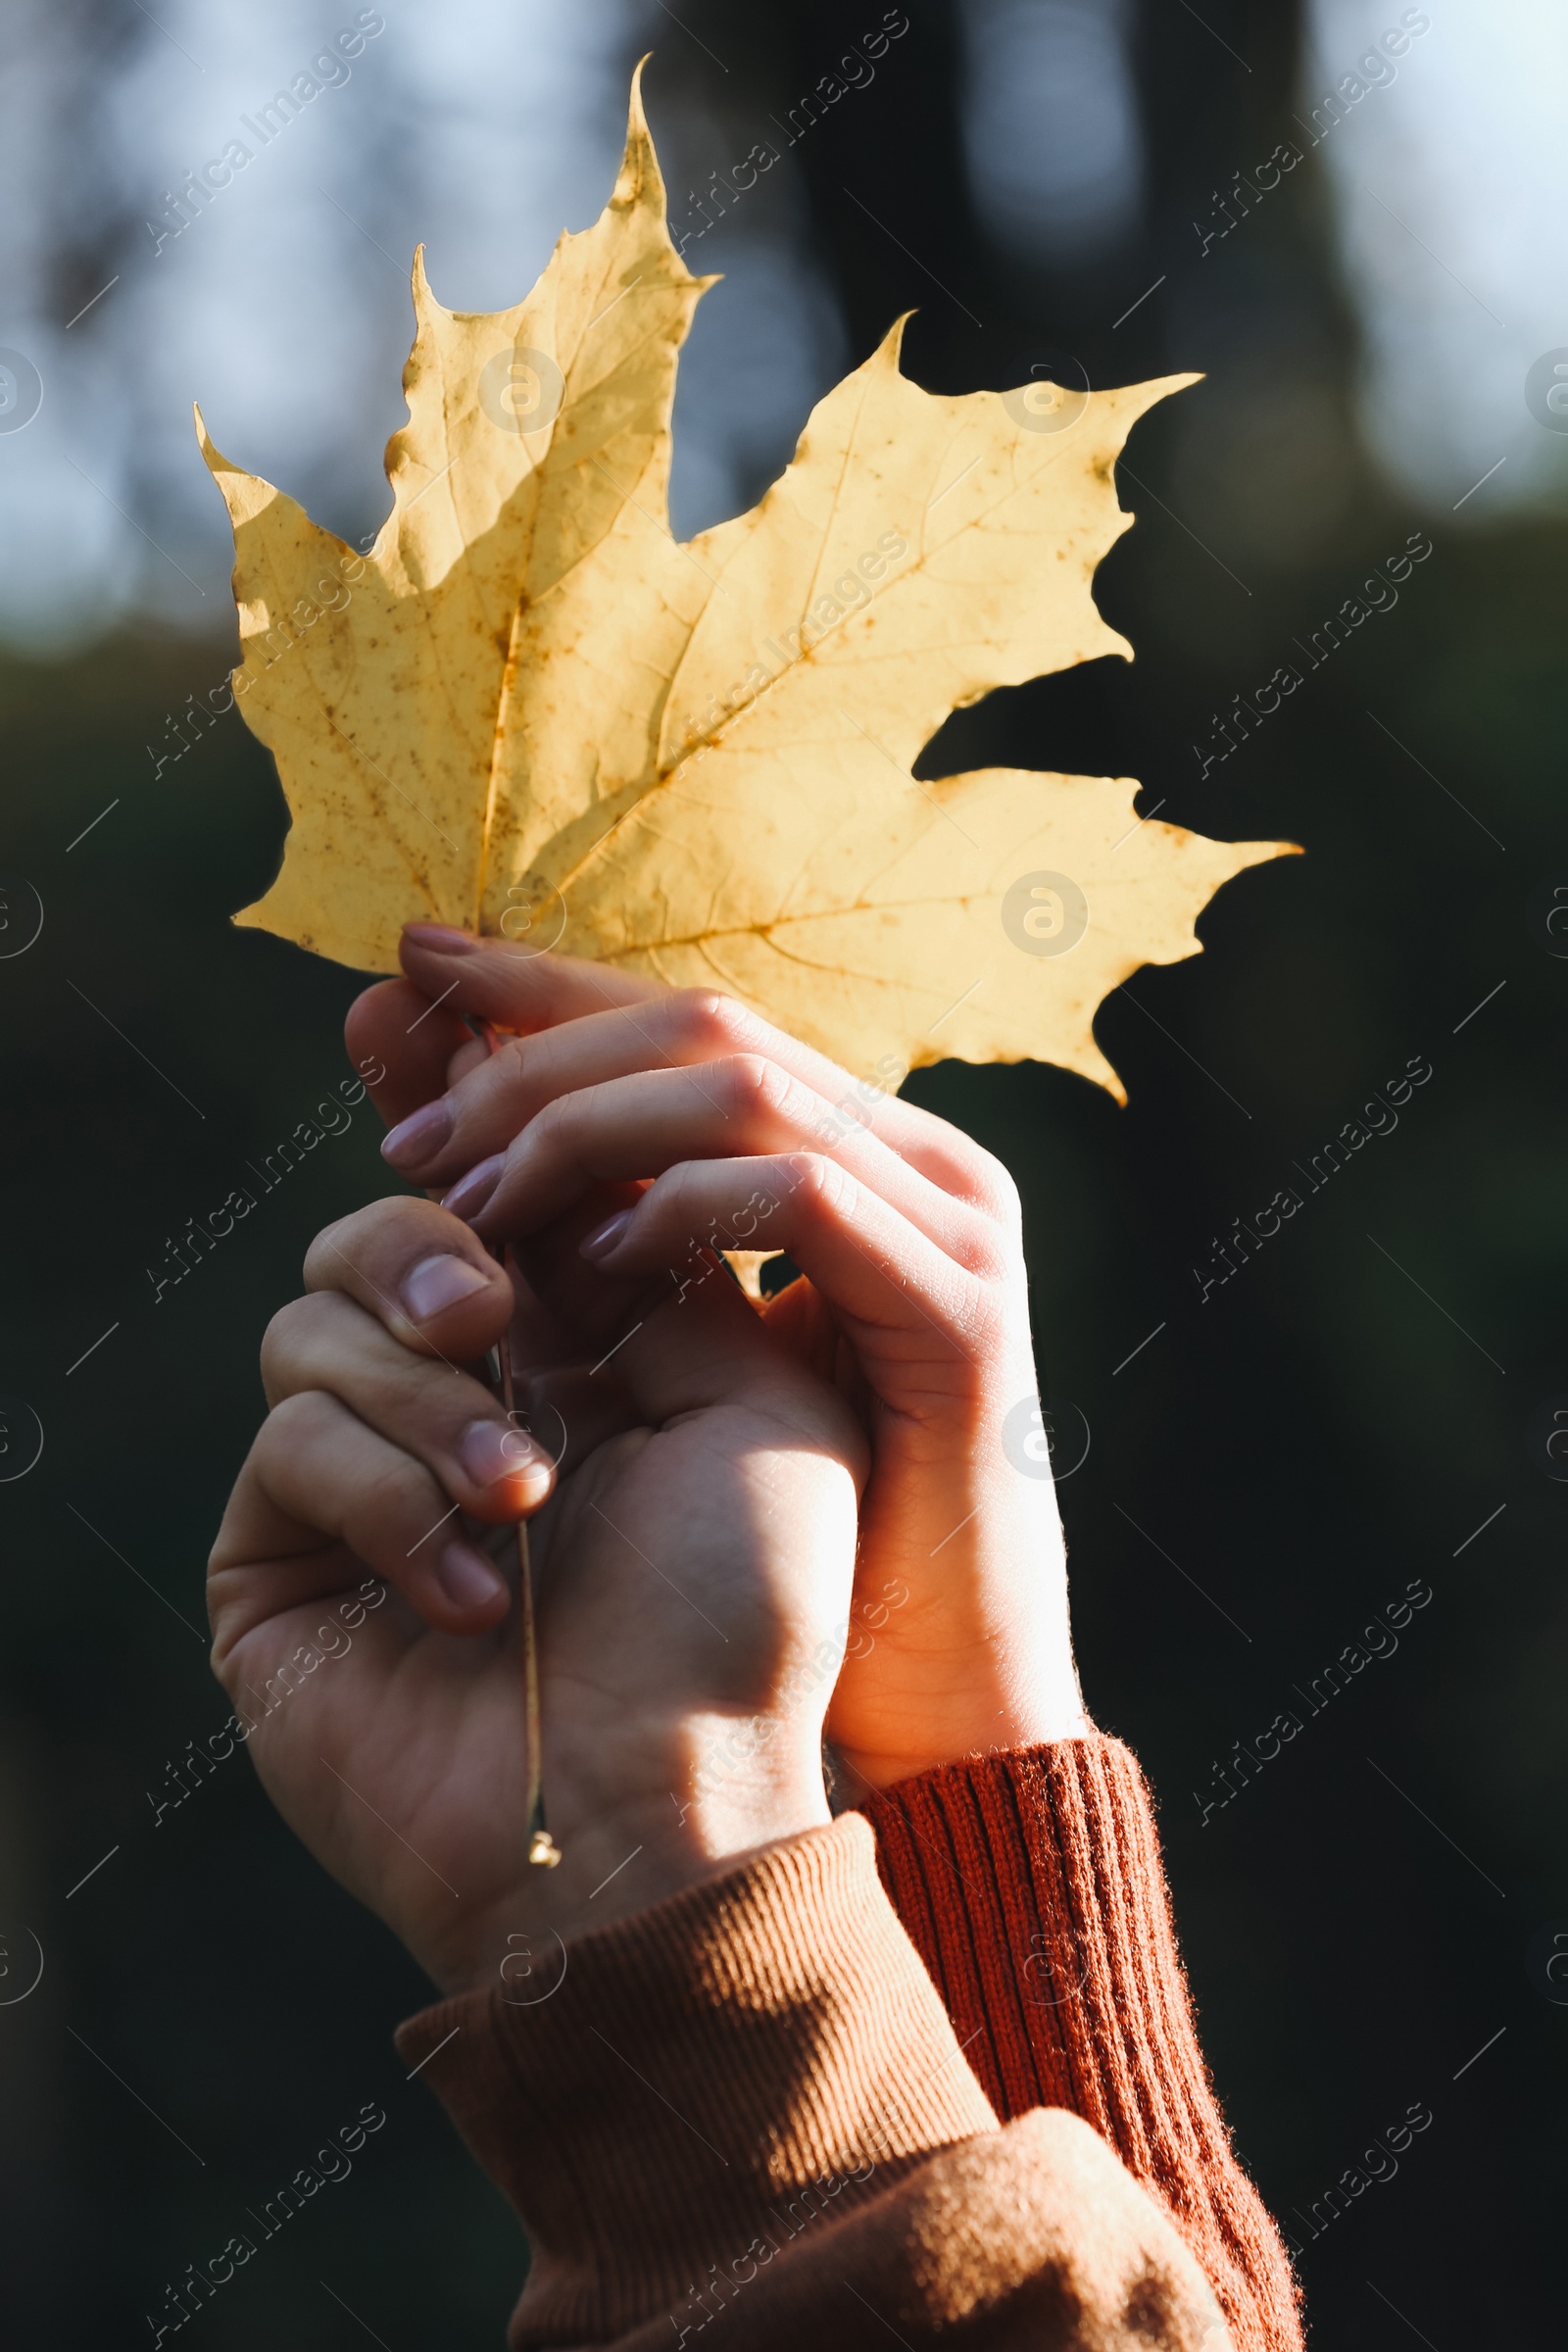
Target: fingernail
x=468, y=1578
x=471, y=1193
x=441, y=937
x=419, y=1136
x=490, y=1451
x=437, y=1282
x=602, y=1238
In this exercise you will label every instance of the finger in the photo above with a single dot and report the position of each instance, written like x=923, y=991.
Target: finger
x=411, y=1041
x=668, y=1342
x=922, y=1324
x=436, y=1290
x=487, y=1465
x=480, y=1115
x=636, y=1127
x=426, y=1276
x=513, y=985
x=323, y=1496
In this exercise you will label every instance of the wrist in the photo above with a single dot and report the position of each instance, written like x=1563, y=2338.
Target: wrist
x=875, y=1770
x=988, y=1698
x=976, y=1660
x=693, y=1813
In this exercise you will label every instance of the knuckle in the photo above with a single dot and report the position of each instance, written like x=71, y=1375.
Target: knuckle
x=551, y=1124
x=1008, y=1199
x=985, y=1255
x=293, y=1424
x=707, y=1017
x=997, y=1268
x=382, y=1523
x=970, y=1173
x=755, y=1083
x=990, y=1244
x=303, y=1335
x=276, y=1338
x=827, y=1189
x=282, y=1340
x=405, y=1491
x=993, y=1190
x=671, y=1194
x=338, y=1250
x=322, y=1258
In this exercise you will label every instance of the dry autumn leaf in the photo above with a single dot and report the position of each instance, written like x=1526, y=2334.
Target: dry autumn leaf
x=534, y=712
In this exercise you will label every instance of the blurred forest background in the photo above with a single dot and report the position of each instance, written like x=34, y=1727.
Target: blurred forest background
x=1080, y=187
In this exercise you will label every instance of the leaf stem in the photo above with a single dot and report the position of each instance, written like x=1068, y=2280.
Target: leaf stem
x=541, y=1847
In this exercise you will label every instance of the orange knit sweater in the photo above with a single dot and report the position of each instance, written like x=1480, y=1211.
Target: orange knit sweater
x=1031, y=1886
x=749, y=2109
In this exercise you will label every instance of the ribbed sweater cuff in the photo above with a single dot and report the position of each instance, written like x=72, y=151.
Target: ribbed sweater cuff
x=698, y=2067
x=1031, y=1884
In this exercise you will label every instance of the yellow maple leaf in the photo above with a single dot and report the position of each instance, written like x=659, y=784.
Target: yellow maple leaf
x=534, y=712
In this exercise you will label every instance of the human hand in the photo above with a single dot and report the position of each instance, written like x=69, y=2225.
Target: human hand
x=692, y=1555
x=915, y=1297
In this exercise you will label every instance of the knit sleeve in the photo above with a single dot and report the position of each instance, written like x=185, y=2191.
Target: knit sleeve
x=1032, y=1886
x=749, y=2094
